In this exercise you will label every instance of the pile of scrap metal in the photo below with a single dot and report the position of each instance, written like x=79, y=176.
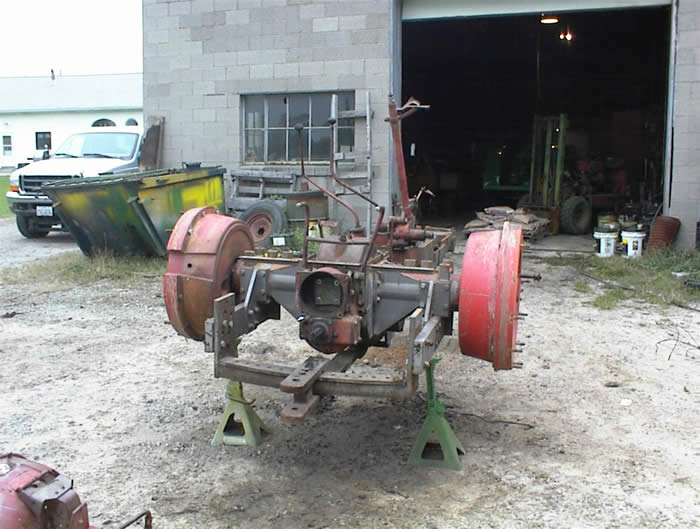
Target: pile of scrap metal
x=34, y=496
x=493, y=218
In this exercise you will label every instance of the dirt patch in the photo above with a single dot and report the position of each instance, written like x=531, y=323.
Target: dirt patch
x=96, y=383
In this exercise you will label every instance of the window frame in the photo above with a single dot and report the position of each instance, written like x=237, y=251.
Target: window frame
x=7, y=145
x=288, y=128
x=103, y=122
x=40, y=146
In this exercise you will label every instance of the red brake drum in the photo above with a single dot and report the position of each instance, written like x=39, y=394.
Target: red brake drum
x=478, y=293
x=506, y=322
x=490, y=294
x=202, y=250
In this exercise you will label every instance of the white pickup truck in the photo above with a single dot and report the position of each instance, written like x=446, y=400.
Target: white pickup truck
x=84, y=154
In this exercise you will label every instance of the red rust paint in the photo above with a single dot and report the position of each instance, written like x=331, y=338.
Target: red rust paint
x=202, y=250
x=34, y=496
x=489, y=295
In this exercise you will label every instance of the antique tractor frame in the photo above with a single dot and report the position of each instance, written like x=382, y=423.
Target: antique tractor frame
x=353, y=294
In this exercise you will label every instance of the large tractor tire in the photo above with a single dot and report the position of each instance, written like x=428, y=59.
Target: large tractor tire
x=28, y=229
x=265, y=219
x=575, y=216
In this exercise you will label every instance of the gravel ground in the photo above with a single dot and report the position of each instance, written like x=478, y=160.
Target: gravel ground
x=599, y=429
x=15, y=249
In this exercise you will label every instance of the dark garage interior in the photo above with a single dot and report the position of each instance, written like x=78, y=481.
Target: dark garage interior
x=486, y=80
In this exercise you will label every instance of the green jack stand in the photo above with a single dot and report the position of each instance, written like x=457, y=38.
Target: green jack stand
x=239, y=416
x=436, y=433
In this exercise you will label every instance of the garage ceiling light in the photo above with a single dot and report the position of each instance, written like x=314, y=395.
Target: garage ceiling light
x=549, y=19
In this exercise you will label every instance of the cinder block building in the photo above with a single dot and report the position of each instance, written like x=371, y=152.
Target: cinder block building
x=620, y=77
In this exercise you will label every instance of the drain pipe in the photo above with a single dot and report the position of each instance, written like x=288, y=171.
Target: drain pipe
x=668, y=151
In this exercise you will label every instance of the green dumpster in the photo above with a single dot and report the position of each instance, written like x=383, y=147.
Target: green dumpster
x=133, y=213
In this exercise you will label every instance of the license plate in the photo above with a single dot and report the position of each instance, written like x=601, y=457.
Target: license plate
x=44, y=211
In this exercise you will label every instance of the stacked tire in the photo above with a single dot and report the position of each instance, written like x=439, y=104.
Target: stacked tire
x=265, y=219
x=575, y=215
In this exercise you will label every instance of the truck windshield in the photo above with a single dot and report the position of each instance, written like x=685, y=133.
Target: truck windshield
x=99, y=144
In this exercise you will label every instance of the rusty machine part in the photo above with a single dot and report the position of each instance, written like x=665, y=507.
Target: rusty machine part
x=202, y=249
x=260, y=226
x=490, y=295
x=35, y=496
x=354, y=293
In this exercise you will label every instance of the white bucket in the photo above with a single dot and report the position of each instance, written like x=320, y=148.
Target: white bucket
x=606, y=242
x=634, y=240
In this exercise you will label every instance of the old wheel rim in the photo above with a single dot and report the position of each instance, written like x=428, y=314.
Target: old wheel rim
x=202, y=250
x=260, y=226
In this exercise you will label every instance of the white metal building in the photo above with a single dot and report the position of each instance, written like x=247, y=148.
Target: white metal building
x=42, y=111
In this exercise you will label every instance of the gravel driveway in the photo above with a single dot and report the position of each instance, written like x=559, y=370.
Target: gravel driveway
x=16, y=249
x=600, y=427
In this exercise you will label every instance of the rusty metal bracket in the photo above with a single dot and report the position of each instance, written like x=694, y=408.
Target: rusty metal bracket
x=424, y=338
x=223, y=337
x=47, y=487
x=301, y=380
x=427, y=341
x=209, y=335
x=402, y=384
x=300, y=407
x=232, y=320
x=147, y=523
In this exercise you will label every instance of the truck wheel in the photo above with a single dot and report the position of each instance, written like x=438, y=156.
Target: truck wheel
x=265, y=219
x=27, y=229
x=575, y=216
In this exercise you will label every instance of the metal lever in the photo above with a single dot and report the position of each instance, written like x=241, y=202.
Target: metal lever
x=299, y=128
x=147, y=524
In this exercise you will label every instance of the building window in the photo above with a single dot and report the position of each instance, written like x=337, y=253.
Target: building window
x=7, y=145
x=104, y=123
x=43, y=140
x=269, y=127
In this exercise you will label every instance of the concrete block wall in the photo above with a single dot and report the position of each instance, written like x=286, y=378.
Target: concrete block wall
x=685, y=190
x=201, y=56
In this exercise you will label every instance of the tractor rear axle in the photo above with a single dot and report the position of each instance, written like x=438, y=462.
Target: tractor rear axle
x=354, y=293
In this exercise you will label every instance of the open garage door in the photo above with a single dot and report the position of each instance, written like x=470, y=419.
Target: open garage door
x=492, y=79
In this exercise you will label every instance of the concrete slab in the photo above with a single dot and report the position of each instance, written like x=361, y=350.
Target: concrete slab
x=564, y=244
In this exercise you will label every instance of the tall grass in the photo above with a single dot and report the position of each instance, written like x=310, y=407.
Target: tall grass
x=74, y=268
x=4, y=206
x=649, y=278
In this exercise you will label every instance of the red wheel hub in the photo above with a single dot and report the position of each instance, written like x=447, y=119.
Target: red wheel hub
x=260, y=226
x=490, y=295
x=202, y=250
